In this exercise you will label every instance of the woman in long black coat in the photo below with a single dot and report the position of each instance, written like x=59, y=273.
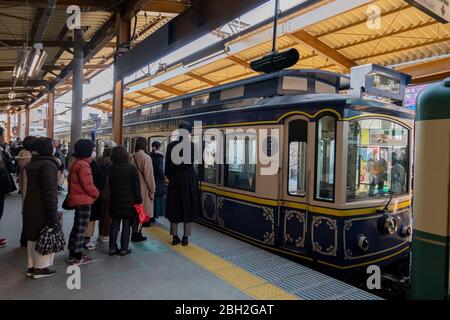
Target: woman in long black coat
x=183, y=195
x=40, y=206
x=125, y=192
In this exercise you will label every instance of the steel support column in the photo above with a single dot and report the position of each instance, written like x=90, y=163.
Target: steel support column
x=77, y=91
x=8, y=128
x=50, y=114
x=123, y=36
x=27, y=121
x=19, y=125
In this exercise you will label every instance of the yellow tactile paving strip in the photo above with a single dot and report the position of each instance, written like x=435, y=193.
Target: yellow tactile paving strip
x=250, y=284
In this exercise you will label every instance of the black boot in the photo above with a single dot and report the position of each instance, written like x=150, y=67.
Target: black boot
x=137, y=237
x=184, y=241
x=176, y=240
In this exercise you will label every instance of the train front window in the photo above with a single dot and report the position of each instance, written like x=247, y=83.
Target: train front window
x=297, y=157
x=378, y=159
x=326, y=148
x=240, y=167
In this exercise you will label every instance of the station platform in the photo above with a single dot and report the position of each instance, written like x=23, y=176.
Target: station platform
x=213, y=266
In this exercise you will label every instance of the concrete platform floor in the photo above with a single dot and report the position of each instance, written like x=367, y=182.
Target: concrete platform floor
x=153, y=271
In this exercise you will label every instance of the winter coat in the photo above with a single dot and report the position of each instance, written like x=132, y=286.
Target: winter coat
x=23, y=159
x=183, y=195
x=125, y=189
x=41, y=200
x=158, y=172
x=143, y=163
x=82, y=190
x=99, y=178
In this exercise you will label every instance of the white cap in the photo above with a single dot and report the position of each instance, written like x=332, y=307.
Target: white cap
x=109, y=144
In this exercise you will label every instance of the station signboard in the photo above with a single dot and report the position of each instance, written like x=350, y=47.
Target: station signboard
x=438, y=9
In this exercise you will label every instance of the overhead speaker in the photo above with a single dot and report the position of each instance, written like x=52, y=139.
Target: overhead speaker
x=276, y=61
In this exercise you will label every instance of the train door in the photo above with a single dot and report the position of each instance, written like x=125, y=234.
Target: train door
x=293, y=214
x=209, y=173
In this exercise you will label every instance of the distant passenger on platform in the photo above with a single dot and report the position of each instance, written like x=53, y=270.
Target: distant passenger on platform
x=158, y=172
x=60, y=155
x=23, y=159
x=96, y=208
x=104, y=223
x=124, y=192
x=183, y=195
x=82, y=194
x=40, y=207
x=142, y=161
x=3, y=176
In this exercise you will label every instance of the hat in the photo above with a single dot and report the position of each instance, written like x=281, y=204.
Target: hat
x=83, y=148
x=109, y=144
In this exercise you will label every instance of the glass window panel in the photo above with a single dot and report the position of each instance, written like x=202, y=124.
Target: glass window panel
x=326, y=146
x=240, y=167
x=209, y=161
x=378, y=159
x=297, y=157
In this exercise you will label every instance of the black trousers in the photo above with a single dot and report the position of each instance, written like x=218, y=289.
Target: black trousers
x=114, y=232
x=2, y=204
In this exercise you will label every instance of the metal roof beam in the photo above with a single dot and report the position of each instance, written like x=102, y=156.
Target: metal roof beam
x=45, y=43
x=149, y=95
x=200, y=19
x=328, y=52
x=30, y=83
x=168, y=89
x=167, y=6
x=201, y=78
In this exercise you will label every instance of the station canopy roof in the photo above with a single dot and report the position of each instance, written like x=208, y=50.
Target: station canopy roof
x=407, y=39
x=25, y=23
x=330, y=35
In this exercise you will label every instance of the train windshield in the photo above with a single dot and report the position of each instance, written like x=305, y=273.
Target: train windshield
x=378, y=159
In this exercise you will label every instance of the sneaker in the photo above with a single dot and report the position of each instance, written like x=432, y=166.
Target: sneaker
x=137, y=237
x=90, y=245
x=76, y=262
x=104, y=239
x=30, y=272
x=43, y=273
x=3, y=243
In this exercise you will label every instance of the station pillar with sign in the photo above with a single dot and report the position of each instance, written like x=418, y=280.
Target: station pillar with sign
x=431, y=206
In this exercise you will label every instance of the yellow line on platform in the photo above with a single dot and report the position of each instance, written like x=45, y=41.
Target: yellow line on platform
x=247, y=282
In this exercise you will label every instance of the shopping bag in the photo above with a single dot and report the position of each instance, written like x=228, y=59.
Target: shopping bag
x=50, y=240
x=143, y=217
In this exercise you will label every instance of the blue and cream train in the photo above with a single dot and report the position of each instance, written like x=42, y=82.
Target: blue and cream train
x=341, y=197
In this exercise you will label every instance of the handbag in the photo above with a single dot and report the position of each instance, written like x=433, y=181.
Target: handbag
x=65, y=204
x=50, y=240
x=143, y=217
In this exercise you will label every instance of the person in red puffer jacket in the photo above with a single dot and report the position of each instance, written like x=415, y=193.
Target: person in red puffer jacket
x=82, y=193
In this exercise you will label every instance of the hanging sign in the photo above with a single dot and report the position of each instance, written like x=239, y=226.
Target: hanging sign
x=438, y=9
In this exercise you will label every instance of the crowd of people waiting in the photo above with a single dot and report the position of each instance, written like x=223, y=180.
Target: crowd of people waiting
x=105, y=189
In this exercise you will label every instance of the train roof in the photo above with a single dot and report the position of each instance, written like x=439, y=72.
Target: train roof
x=285, y=82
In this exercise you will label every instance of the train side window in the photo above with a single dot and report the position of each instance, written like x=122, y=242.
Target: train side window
x=298, y=130
x=240, y=161
x=325, y=158
x=209, y=161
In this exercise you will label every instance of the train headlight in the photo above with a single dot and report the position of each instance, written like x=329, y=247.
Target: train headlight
x=405, y=231
x=389, y=225
x=363, y=242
